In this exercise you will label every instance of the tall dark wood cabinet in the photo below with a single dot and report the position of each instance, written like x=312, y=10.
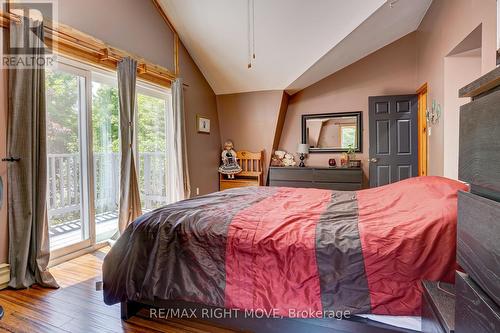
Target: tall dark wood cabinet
x=477, y=303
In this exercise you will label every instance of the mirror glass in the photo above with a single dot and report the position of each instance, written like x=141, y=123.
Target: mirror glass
x=334, y=132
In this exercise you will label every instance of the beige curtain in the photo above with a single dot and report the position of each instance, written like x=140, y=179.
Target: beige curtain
x=130, y=202
x=28, y=222
x=179, y=185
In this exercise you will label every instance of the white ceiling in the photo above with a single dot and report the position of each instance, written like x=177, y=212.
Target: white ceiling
x=298, y=42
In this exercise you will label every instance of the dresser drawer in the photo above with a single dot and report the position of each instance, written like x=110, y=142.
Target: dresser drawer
x=475, y=312
x=338, y=175
x=289, y=174
x=323, y=178
x=478, y=241
x=286, y=183
x=338, y=186
x=225, y=185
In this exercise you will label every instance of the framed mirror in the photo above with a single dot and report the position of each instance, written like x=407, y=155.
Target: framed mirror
x=332, y=132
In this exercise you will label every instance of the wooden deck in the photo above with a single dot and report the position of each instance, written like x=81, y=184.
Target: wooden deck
x=78, y=307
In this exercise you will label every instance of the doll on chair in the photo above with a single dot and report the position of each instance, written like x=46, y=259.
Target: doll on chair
x=230, y=165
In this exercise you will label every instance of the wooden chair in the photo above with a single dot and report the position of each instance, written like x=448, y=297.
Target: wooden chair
x=251, y=174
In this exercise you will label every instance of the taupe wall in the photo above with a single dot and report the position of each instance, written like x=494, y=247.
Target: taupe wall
x=445, y=25
x=3, y=167
x=251, y=120
x=389, y=71
x=203, y=149
x=459, y=70
x=136, y=27
x=131, y=25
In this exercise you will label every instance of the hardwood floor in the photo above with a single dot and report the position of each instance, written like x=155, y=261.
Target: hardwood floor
x=78, y=307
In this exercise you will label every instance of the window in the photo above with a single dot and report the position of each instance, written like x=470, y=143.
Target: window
x=106, y=154
x=83, y=134
x=152, y=108
x=348, y=136
x=67, y=202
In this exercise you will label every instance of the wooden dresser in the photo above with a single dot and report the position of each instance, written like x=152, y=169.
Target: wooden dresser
x=341, y=179
x=477, y=289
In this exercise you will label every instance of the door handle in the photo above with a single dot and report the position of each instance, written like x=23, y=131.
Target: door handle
x=10, y=159
x=373, y=160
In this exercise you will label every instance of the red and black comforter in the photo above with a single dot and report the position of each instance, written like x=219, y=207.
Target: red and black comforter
x=289, y=248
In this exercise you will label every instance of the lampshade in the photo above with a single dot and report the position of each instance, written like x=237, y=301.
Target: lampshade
x=303, y=148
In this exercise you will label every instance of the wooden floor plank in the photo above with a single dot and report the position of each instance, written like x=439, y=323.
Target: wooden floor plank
x=78, y=307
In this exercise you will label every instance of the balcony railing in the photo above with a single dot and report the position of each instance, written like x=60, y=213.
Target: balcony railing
x=64, y=188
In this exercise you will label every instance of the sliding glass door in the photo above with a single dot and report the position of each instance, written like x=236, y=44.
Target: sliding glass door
x=83, y=141
x=152, y=108
x=106, y=154
x=67, y=200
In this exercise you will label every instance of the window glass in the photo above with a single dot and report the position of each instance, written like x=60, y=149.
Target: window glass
x=152, y=148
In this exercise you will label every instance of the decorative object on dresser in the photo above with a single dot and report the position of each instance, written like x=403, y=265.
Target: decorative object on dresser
x=477, y=303
x=352, y=162
x=251, y=174
x=281, y=158
x=342, y=179
x=332, y=132
x=302, y=150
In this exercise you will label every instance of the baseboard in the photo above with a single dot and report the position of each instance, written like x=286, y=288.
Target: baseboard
x=4, y=275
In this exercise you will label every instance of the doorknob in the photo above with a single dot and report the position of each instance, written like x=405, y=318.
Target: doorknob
x=373, y=160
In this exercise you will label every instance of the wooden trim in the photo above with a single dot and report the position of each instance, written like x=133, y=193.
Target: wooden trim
x=163, y=14
x=4, y=275
x=422, y=88
x=176, y=55
x=422, y=130
x=77, y=45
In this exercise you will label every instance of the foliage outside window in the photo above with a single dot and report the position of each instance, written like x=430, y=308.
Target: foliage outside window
x=348, y=136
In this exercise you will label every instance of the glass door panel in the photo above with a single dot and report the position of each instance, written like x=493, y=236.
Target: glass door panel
x=106, y=153
x=152, y=149
x=66, y=202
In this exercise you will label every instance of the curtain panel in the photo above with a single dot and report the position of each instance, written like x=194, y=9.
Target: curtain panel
x=28, y=221
x=179, y=184
x=130, y=201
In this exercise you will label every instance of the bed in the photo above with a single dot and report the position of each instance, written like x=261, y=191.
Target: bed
x=293, y=256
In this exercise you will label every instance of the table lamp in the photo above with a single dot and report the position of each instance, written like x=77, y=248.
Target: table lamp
x=302, y=150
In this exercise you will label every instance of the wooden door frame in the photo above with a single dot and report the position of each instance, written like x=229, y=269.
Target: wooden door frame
x=422, y=129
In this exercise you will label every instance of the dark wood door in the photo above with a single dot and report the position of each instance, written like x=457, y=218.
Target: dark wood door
x=393, y=138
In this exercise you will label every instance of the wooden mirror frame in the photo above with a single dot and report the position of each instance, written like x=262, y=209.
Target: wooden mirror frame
x=359, y=134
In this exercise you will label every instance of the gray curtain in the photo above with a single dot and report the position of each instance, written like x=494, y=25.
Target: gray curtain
x=28, y=221
x=130, y=202
x=179, y=184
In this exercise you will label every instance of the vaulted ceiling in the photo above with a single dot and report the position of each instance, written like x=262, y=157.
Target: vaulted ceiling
x=297, y=42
